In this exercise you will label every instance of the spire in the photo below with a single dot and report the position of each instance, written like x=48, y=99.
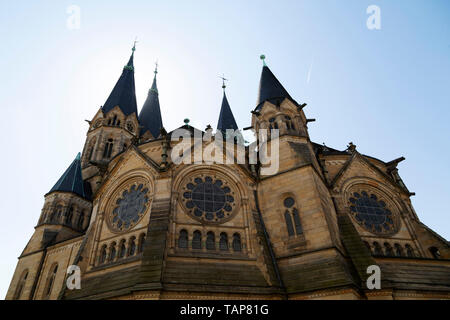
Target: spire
x=72, y=181
x=124, y=94
x=226, y=118
x=270, y=89
x=150, y=115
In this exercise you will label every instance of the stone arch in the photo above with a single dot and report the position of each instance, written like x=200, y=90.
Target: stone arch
x=115, y=184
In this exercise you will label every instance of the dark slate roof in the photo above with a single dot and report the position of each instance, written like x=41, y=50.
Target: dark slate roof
x=226, y=118
x=150, y=115
x=72, y=181
x=123, y=94
x=270, y=89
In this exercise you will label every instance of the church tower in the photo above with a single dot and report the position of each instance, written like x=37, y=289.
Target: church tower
x=113, y=129
x=140, y=225
x=150, y=115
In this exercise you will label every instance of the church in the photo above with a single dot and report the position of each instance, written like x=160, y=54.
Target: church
x=137, y=225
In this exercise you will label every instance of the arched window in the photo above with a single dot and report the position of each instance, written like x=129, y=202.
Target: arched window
x=112, y=251
x=55, y=217
x=290, y=227
x=183, y=239
x=377, y=249
x=197, y=240
x=69, y=216
x=388, y=249
x=81, y=220
x=435, y=252
x=223, y=243
x=114, y=120
x=298, y=225
x=237, y=246
x=210, y=241
x=292, y=213
x=122, y=249
x=132, y=246
x=108, y=149
x=21, y=285
x=398, y=250
x=409, y=251
x=90, y=153
x=103, y=254
x=50, y=281
x=141, y=243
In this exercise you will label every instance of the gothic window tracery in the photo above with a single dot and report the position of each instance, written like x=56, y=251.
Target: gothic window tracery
x=209, y=199
x=107, y=152
x=129, y=207
x=292, y=217
x=372, y=212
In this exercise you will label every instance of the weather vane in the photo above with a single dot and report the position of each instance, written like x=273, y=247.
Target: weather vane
x=134, y=44
x=223, y=81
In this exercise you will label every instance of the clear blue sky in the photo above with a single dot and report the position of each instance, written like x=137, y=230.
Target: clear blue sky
x=385, y=90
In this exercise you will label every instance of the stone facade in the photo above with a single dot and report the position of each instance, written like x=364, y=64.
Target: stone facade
x=292, y=235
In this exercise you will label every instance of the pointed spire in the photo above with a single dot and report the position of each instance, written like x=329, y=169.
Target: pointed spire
x=150, y=115
x=72, y=181
x=124, y=93
x=270, y=89
x=226, y=118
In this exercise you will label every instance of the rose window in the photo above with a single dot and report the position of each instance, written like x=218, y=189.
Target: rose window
x=372, y=213
x=129, y=207
x=209, y=199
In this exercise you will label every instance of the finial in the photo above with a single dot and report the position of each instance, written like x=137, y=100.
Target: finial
x=156, y=68
x=134, y=45
x=78, y=156
x=351, y=147
x=223, y=81
x=263, y=57
x=186, y=121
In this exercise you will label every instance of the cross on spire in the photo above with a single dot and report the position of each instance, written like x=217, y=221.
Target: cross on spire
x=223, y=81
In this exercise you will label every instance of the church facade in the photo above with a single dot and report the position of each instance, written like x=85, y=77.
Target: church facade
x=140, y=226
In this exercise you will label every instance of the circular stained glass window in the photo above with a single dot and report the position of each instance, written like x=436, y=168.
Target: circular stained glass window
x=372, y=213
x=209, y=199
x=129, y=207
